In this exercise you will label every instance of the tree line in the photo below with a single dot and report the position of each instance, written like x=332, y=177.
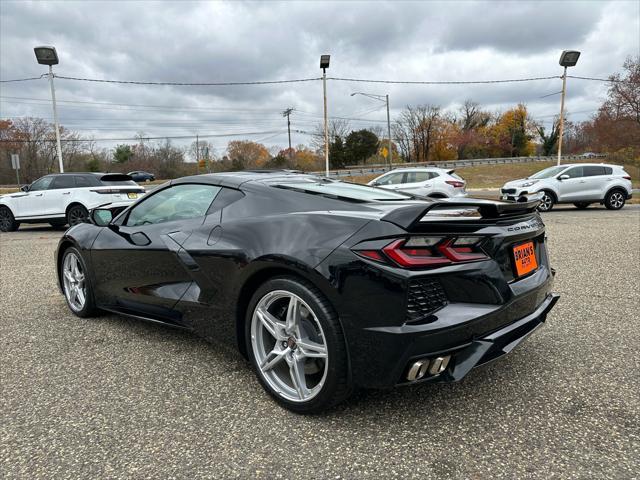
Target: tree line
x=420, y=133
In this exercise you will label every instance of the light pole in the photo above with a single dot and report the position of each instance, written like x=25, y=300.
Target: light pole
x=385, y=99
x=568, y=58
x=324, y=64
x=47, y=55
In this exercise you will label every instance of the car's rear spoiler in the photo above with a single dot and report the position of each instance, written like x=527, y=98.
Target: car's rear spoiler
x=461, y=210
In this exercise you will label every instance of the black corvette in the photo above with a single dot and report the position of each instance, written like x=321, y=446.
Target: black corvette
x=324, y=286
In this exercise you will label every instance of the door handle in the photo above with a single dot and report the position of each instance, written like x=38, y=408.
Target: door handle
x=66, y=193
x=38, y=195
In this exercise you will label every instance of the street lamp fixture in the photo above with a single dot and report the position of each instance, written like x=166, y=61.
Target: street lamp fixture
x=568, y=58
x=324, y=64
x=47, y=55
x=385, y=99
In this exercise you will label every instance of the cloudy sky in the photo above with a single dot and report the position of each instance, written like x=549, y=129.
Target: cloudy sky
x=256, y=41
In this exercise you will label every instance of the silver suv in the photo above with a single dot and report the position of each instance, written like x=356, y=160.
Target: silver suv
x=581, y=184
x=429, y=181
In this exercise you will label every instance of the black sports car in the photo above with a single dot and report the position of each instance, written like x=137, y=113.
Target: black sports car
x=324, y=286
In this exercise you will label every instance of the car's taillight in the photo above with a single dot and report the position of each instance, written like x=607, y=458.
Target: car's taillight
x=627, y=177
x=455, y=183
x=424, y=252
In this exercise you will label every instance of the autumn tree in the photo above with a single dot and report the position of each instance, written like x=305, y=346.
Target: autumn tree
x=247, y=154
x=548, y=142
x=360, y=145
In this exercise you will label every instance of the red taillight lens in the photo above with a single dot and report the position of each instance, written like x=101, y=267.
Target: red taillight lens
x=416, y=252
x=627, y=177
x=455, y=184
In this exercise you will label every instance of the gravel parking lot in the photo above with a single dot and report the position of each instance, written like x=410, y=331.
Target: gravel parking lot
x=115, y=397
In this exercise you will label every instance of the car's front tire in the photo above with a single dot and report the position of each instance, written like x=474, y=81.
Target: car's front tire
x=76, y=285
x=615, y=200
x=547, y=202
x=77, y=214
x=296, y=345
x=7, y=220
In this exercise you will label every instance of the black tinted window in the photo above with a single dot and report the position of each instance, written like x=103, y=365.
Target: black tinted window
x=83, y=181
x=175, y=203
x=592, y=171
x=41, y=184
x=574, y=172
x=63, y=181
x=608, y=170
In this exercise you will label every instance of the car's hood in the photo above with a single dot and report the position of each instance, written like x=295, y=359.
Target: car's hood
x=519, y=182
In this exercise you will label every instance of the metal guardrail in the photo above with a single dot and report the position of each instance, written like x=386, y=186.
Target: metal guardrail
x=359, y=171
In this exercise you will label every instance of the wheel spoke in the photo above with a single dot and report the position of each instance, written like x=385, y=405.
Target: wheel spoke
x=67, y=275
x=293, y=315
x=296, y=369
x=80, y=296
x=271, y=323
x=273, y=358
x=311, y=349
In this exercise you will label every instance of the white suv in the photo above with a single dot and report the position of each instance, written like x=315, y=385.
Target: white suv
x=429, y=182
x=65, y=198
x=581, y=184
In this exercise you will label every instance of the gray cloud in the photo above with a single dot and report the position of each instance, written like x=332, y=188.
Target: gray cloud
x=205, y=42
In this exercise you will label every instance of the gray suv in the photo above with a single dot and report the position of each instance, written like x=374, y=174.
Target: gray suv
x=581, y=184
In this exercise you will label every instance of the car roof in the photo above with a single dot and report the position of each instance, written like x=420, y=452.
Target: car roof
x=589, y=165
x=420, y=169
x=235, y=179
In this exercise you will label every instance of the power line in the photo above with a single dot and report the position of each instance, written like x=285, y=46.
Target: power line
x=22, y=79
x=193, y=84
x=443, y=82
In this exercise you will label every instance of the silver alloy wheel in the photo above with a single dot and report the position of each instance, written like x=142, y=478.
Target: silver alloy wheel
x=546, y=203
x=616, y=200
x=74, y=282
x=289, y=346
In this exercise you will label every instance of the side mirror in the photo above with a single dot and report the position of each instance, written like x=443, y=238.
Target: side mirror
x=25, y=188
x=101, y=217
x=564, y=177
x=375, y=184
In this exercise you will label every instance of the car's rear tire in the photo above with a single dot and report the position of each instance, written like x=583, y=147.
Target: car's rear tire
x=582, y=205
x=77, y=214
x=615, y=200
x=7, y=220
x=296, y=345
x=547, y=202
x=76, y=284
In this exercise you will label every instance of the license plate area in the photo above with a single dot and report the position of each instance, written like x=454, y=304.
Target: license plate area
x=524, y=258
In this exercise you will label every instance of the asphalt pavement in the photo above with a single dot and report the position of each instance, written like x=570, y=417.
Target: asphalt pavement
x=113, y=397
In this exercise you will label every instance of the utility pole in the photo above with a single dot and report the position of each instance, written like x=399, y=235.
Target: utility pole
x=561, y=129
x=326, y=126
x=286, y=113
x=55, y=119
x=197, y=154
x=389, y=133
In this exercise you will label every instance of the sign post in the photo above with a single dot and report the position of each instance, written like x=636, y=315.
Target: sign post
x=15, y=164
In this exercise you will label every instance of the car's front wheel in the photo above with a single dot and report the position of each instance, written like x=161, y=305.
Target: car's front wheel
x=7, y=221
x=615, y=200
x=547, y=202
x=296, y=345
x=76, y=285
x=77, y=214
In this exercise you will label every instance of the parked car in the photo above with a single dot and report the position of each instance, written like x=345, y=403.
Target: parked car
x=324, y=286
x=428, y=182
x=141, y=176
x=66, y=198
x=581, y=184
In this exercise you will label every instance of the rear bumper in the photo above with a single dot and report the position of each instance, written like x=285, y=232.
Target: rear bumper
x=493, y=346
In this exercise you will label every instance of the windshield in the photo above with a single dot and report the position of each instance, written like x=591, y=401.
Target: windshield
x=345, y=190
x=548, y=172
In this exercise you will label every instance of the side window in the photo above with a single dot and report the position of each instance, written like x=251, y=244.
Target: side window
x=175, y=203
x=415, y=177
x=391, y=179
x=574, y=172
x=608, y=170
x=63, y=181
x=41, y=184
x=593, y=171
x=82, y=181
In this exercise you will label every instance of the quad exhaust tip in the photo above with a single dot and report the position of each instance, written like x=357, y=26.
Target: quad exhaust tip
x=434, y=366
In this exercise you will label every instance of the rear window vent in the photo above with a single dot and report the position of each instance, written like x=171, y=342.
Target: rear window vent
x=424, y=297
